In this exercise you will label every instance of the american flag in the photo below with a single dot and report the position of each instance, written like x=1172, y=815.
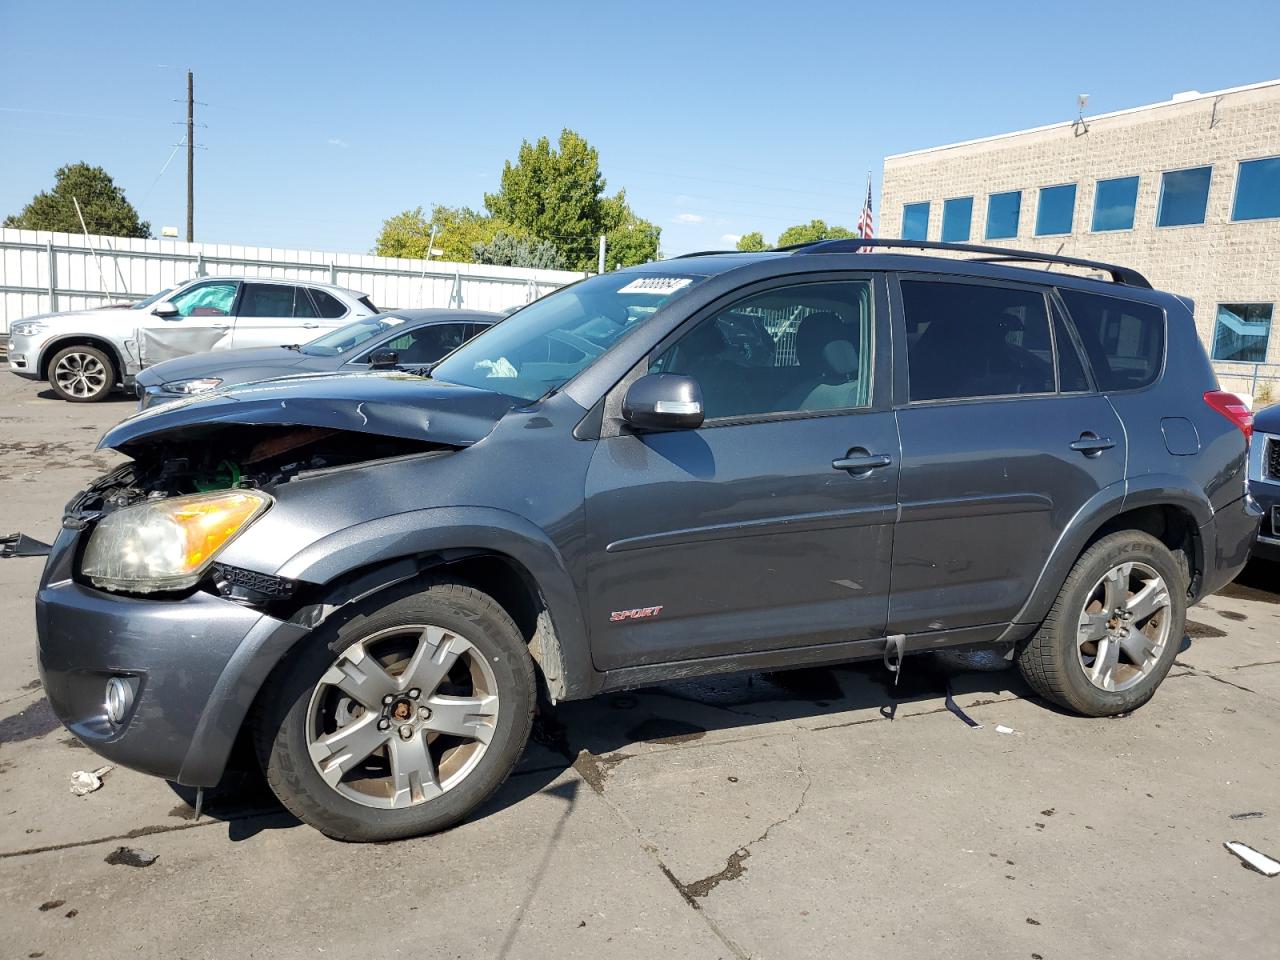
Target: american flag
x=866, y=221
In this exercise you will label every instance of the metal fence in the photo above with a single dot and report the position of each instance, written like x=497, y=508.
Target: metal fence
x=43, y=272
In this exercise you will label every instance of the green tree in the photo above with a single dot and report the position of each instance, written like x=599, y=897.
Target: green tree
x=457, y=230
x=105, y=209
x=555, y=194
x=812, y=231
x=510, y=250
x=752, y=242
x=628, y=239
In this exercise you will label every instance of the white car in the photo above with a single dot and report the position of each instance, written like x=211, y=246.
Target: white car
x=85, y=354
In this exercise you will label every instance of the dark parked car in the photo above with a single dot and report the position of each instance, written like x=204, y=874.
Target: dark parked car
x=400, y=337
x=1264, y=480
x=708, y=464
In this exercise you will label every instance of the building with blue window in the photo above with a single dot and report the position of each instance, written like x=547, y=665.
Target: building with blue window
x=1187, y=191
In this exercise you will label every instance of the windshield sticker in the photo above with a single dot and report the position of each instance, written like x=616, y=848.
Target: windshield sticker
x=657, y=286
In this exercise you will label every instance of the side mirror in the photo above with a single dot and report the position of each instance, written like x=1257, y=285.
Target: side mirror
x=165, y=310
x=384, y=360
x=663, y=401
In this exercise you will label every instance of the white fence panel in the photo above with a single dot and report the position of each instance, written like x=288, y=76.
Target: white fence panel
x=44, y=272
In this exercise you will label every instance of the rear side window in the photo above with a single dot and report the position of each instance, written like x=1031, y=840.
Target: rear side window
x=967, y=340
x=368, y=304
x=1123, y=340
x=330, y=307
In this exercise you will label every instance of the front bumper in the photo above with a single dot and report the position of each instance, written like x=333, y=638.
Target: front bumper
x=1267, y=494
x=196, y=665
x=24, y=355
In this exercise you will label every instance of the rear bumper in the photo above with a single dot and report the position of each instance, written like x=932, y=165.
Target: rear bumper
x=1227, y=540
x=195, y=664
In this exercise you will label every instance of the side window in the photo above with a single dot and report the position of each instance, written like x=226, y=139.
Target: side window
x=969, y=340
x=1123, y=339
x=330, y=307
x=793, y=349
x=206, y=300
x=428, y=344
x=302, y=305
x=266, y=300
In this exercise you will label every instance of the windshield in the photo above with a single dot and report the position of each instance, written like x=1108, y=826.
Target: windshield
x=344, y=339
x=143, y=304
x=543, y=346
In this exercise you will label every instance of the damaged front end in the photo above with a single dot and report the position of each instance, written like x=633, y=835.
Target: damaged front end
x=201, y=473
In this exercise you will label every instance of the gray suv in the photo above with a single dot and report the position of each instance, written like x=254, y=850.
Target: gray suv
x=721, y=462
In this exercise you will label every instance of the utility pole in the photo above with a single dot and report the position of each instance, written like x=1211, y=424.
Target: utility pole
x=191, y=159
x=600, y=260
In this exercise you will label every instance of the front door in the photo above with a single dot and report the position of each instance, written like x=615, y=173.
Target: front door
x=1003, y=442
x=203, y=322
x=771, y=526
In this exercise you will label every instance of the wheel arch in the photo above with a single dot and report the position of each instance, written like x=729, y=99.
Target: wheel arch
x=52, y=348
x=1165, y=506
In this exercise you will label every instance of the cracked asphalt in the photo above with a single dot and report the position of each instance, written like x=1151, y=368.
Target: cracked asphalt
x=763, y=816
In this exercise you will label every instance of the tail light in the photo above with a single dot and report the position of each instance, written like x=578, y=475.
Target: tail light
x=1234, y=409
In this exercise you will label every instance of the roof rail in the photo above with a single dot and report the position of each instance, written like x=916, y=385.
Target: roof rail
x=1124, y=275
x=705, y=253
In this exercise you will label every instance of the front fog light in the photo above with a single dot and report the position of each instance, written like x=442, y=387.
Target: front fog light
x=167, y=544
x=118, y=699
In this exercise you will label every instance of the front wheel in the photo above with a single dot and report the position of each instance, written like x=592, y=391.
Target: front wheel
x=404, y=721
x=82, y=374
x=1114, y=630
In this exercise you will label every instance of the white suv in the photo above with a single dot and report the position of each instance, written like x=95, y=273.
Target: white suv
x=84, y=354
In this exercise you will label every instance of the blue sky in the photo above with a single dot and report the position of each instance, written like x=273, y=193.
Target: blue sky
x=718, y=118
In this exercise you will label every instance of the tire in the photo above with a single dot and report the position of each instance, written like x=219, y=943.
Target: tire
x=1083, y=655
x=393, y=792
x=82, y=374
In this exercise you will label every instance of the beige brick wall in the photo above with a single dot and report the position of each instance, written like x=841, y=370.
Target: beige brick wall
x=1218, y=262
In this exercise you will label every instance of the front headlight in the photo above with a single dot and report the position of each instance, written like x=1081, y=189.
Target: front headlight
x=28, y=328
x=197, y=385
x=167, y=544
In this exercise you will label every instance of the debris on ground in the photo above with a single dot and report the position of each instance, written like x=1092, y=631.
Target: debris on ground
x=51, y=905
x=1001, y=728
x=1250, y=815
x=86, y=781
x=131, y=857
x=1254, y=860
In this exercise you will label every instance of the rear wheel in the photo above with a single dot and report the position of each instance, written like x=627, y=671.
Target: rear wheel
x=82, y=374
x=1114, y=630
x=404, y=721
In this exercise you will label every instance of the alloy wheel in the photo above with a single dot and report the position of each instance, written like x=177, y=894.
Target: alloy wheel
x=402, y=716
x=80, y=374
x=1124, y=627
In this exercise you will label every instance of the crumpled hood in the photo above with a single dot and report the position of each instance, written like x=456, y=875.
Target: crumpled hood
x=390, y=404
x=214, y=363
x=75, y=315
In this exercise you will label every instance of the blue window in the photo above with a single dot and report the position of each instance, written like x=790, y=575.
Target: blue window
x=1257, y=190
x=957, y=216
x=1184, y=194
x=1003, y=210
x=1113, y=204
x=1056, y=210
x=1242, y=332
x=915, y=221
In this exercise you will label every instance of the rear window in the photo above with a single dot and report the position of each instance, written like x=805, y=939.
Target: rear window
x=330, y=307
x=1123, y=340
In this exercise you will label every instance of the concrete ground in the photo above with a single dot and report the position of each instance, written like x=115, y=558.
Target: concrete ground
x=761, y=816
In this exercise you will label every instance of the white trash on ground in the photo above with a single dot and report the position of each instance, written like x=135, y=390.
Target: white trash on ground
x=86, y=781
x=1253, y=859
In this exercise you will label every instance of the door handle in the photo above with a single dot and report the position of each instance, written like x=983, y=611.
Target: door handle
x=859, y=462
x=310, y=326
x=1092, y=445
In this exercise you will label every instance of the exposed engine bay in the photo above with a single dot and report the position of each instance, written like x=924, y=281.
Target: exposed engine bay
x=236, y=456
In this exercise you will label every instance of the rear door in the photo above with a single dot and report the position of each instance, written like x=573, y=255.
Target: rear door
x=769, y=527
x=1004, y=440
x=265, y=315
